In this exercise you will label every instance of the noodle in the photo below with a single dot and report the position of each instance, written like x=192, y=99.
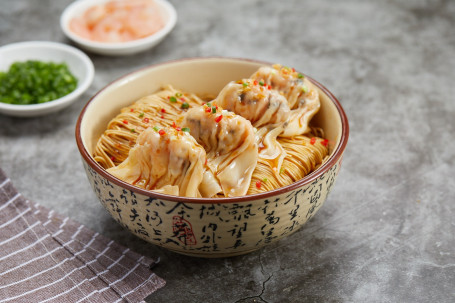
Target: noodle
x=153, y=110
x=303, y=153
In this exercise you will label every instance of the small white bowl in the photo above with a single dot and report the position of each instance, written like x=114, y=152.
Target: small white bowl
x=77, y=8
x=78, y=63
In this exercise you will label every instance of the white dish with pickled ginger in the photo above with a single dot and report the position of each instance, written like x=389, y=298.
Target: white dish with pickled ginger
x=118, y=27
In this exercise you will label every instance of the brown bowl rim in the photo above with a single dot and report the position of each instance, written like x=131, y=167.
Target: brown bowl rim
x=336, y=155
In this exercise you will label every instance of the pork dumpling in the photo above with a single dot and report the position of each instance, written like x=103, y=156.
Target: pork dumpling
x=229, y=142
x=266, y=109
x=254, y=101
x=165, y=160
x=302, y=96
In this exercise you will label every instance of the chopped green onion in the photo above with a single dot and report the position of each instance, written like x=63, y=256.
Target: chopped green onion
x=141, y=115
x=261, y=83
x=32, y=82
x=245, y=84
x=213, y=109
x=155, y=128
x=186, y=129
x=304, y=88
x=173, y=99
x=178, y=95
x=185, y=105
x=300, y=75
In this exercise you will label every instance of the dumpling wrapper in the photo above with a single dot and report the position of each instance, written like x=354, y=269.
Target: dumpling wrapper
x=302, y=96
x=171, y=163
x=265, y=108
x=229, y=142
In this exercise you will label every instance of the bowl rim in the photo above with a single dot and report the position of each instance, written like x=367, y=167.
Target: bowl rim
x=334, y=158
x=67, y=14
x=83, y=84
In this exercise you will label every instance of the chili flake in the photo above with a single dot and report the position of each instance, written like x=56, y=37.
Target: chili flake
x=112, y=158
x=177, y=128
x=218, y=119
x=125, y=121
x=173, y=124
x=255, y=82
x=258, y=184
x=162, y=132
x=132, y=110
x=146, y=120
x=163, y=110
x=313, y=140
x=208, y=109
x=325, y=142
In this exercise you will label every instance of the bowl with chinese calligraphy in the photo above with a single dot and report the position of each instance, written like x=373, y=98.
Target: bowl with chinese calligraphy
x=207, y=227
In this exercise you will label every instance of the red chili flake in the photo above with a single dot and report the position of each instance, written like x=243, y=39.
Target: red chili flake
x=162, y=117
x=255, y=82
x=113, y=158
x=325, y=142
x=293, y=69
x=218, y=119
x=125, y=121
x=146, y=120
x=163, y=110
x=162, y=132
x=269, y=87
x=258, y=184
x=313, y=140
x=208, y=109
x=173, y=124
x=177, y=128
x=182, y=99
x=205, y=161
x=132, y=110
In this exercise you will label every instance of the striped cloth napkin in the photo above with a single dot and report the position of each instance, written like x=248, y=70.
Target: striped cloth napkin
x=45, y=257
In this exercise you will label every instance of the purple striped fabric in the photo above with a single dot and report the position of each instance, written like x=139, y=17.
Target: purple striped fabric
x=45, y=257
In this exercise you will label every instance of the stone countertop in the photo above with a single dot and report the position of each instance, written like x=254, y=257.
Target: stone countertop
x=386, y=232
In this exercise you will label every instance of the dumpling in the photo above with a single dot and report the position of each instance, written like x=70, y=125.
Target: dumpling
x=165, y=160
x=265, y=108
x=302, y=96
x=229, y=142
x=254, y=101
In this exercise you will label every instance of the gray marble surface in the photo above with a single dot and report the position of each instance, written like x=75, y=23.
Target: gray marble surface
x=386, y=232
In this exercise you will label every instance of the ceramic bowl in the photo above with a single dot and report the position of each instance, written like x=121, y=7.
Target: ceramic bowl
x=79, y=64
x=77, y=8
x=205, y=227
